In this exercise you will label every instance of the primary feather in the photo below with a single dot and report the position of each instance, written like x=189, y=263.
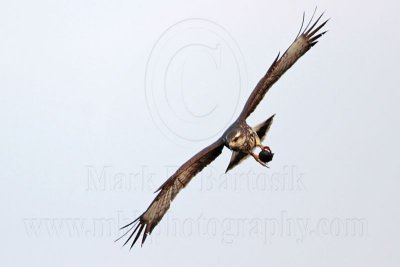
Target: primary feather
x=281, y=64
x=168, y=191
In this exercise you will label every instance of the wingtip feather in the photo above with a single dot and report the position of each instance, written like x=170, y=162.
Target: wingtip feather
x=137, y=235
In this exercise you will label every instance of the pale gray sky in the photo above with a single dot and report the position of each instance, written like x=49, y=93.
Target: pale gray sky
x=102, y=100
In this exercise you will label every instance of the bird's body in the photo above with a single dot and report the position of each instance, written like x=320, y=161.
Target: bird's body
x=243, y=139
x=239, y=137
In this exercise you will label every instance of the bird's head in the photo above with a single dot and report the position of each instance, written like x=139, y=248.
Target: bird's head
x=235, y=139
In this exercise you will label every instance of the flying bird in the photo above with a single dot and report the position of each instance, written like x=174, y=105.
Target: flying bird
x=239, y=137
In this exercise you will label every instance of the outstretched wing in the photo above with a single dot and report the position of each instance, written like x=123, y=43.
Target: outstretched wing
x=303, y=42
x=168, y=191
x=261, y=130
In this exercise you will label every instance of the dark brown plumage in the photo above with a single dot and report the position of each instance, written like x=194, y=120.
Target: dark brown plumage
x=239, y=137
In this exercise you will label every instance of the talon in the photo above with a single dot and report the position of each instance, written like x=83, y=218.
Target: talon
x=263, y=163
x=266, y=148
x=257, y=158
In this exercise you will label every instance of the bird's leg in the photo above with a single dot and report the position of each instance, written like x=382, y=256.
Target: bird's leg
x=257, y=158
